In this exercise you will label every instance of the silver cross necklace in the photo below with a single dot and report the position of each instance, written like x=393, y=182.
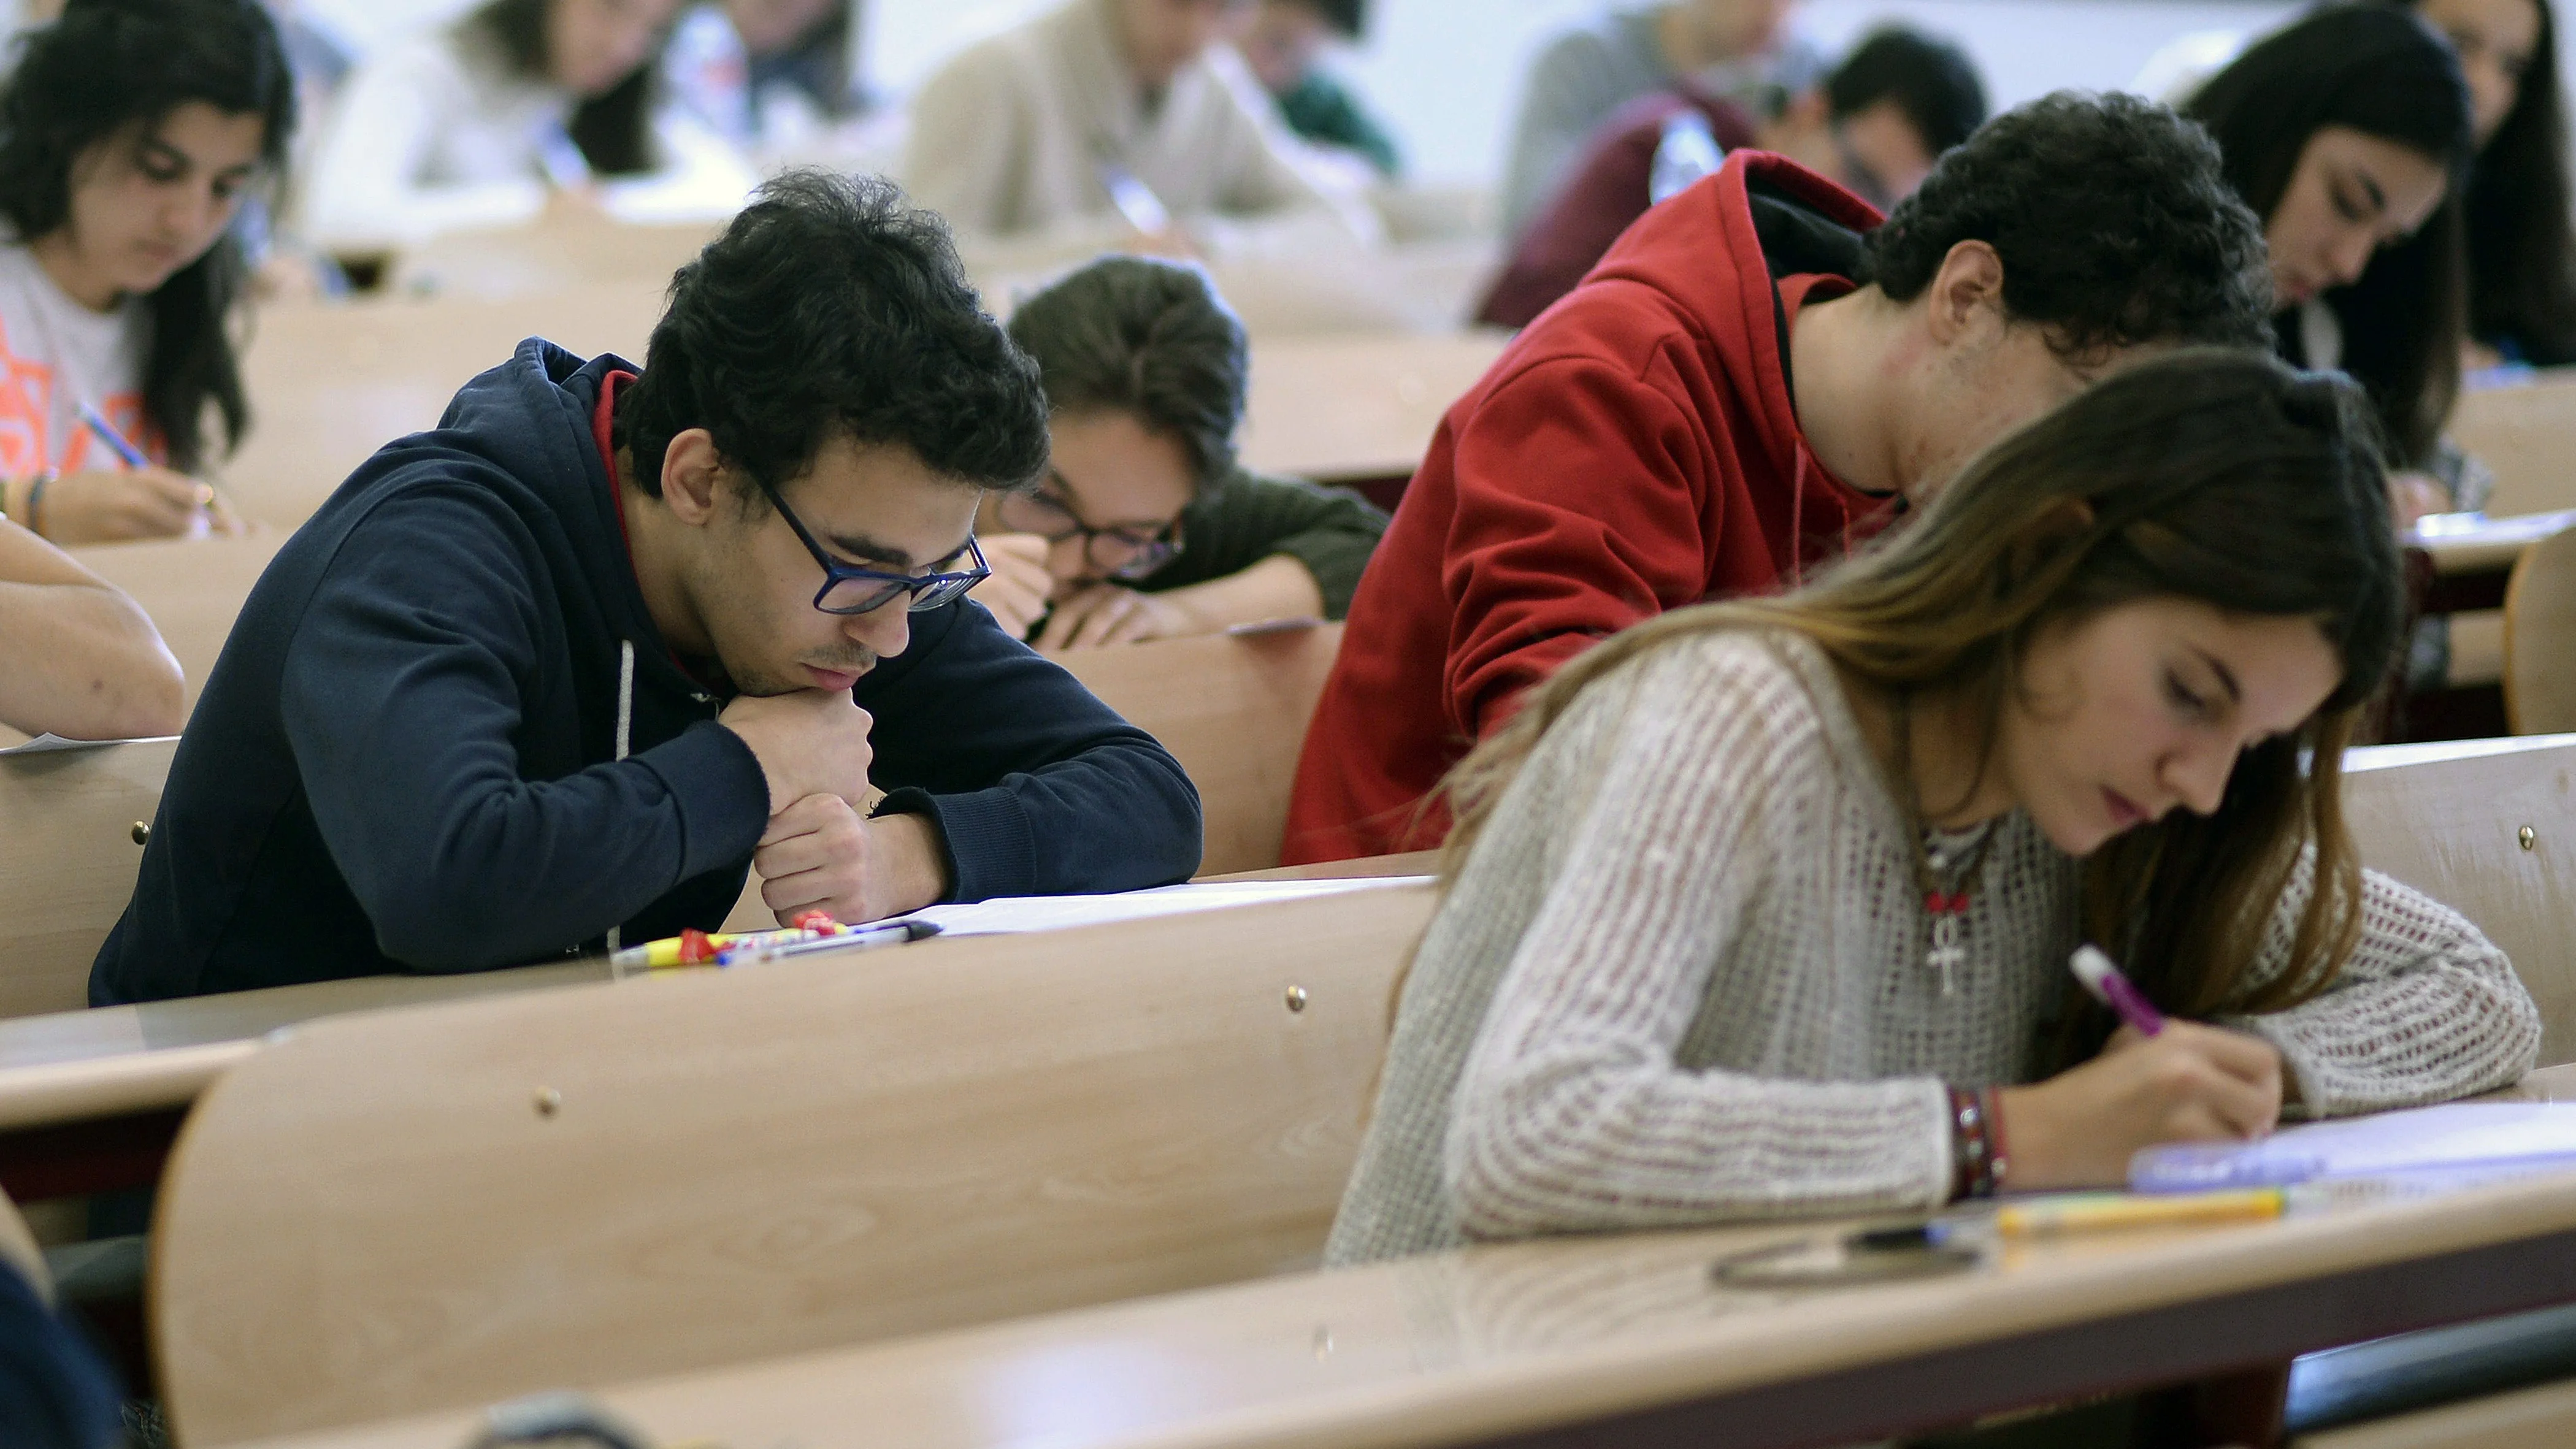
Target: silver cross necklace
x=1945, y=890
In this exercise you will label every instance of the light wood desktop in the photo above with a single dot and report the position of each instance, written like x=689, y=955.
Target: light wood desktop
x=2483, y=826
x=2526, y=433
x=2538, y=647
x=330, y=384
x=69, y=827
x=1622, y=1341
x=715, y=1167
x=334, y=383
x=1357, y=408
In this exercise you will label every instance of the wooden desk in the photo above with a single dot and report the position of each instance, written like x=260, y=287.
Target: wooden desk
x=1357, y=409
x=89, y=1100
x=1625, y=1341
x=2524, y=432
x=330, y=384
x=2474, y=544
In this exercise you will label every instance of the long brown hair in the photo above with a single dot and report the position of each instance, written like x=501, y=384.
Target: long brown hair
x=2213, y=475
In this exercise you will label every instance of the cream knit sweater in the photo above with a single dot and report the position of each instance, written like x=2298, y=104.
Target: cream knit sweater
x=1681, y=979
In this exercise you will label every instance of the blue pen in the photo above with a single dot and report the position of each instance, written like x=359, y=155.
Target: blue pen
x=106, y=432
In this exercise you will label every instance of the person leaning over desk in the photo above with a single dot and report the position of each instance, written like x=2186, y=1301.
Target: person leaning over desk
x=557, y=673
x=1146, y=526
x=1763, y=909
x=130, y=136
x=1757, y=376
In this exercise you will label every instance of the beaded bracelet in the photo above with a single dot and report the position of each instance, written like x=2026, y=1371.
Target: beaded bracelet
x=1972, y=1154
x=1998, y=1157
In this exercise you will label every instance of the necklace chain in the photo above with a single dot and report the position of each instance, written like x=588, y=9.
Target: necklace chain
x=1948, y=907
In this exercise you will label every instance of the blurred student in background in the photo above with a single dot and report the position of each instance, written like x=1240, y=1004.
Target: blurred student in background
x=2348, y=132
x=1874, y=126
x=1121, y=123
x=1738, y=50
x=479, y=122
x=1284, y=43
x=1145, y=526
x=768, y=73
x=2521, y=239
x=130, y=135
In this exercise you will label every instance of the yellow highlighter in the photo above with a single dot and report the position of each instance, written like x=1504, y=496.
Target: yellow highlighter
x=2107, y=1211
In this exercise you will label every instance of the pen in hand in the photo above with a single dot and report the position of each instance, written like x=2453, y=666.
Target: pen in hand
x=2108, y=986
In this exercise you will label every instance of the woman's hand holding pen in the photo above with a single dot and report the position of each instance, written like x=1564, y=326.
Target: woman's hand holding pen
x=2187, y=1083
x=115, y=506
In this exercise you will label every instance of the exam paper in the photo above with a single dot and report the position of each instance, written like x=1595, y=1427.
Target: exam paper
x=1055, y=913
x=2467, y=1141
x=49, y=742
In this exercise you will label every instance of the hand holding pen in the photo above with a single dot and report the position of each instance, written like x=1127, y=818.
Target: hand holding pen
x=2161, y=1080
x=115, y=505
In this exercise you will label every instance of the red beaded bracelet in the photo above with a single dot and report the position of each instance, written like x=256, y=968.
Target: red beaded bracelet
x=1973, y=1158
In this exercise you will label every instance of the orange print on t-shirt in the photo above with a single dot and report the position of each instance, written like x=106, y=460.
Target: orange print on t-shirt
x=27, y=401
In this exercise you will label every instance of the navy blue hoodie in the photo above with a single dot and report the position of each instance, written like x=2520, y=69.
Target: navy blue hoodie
x=406, y=758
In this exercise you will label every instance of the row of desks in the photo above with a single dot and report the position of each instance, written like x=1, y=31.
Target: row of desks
x=1626, y=1340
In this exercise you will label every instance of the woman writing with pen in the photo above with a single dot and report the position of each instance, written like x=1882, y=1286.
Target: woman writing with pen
x=1765, y=908
x=130, y=133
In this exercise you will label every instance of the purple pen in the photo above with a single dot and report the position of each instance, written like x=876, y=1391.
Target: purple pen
x=2114, y=990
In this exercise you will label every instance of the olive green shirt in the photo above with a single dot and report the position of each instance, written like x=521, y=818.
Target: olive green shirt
x=1248, y=517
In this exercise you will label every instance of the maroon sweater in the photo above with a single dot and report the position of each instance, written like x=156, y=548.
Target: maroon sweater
x=1608, y=189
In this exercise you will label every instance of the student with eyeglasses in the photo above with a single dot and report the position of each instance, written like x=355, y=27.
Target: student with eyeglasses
x=1144, y=526
x=556, y=675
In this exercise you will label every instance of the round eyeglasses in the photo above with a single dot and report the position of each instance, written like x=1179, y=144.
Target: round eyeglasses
x=1120, y=553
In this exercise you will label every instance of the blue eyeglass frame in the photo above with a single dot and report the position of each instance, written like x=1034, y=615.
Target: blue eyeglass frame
x=929, y=591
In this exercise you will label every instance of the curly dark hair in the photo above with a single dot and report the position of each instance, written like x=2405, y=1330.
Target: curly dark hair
x=1147, y=338
x=110, y=64
x=830, y=303
x=2114, y=221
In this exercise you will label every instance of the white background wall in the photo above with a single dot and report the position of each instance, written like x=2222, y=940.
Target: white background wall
x=1446, y=73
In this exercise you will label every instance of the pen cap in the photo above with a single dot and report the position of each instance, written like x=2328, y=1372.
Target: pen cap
x=2095, y=970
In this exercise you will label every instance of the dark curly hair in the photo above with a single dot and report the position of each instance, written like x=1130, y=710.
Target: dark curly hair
x=830, y=303
x=2384, y=73
x=1147, y=338
x=80, y=82
x=2113, y=220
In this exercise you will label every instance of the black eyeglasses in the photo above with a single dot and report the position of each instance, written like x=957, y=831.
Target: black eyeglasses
x=850, y=589
x=1121, y=553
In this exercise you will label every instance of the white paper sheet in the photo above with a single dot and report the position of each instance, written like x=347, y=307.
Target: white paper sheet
x=47, y=743
x=2465, y=1140
x=1055, y=913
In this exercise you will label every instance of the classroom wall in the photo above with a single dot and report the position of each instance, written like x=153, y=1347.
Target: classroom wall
x=1446, y=73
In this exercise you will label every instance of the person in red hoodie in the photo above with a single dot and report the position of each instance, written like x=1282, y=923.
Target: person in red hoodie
x=1754, y=379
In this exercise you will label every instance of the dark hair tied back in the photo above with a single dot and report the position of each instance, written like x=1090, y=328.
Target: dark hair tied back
x=108, y=66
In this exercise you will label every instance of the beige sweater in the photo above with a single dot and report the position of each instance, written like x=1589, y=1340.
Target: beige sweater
x=1009, y=138
x=1681, y=979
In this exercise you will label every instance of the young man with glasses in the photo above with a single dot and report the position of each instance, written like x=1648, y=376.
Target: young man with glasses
x=552, y=677
x=1144, y=526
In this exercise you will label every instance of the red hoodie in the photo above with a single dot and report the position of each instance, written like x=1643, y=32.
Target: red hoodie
x=1633, y=451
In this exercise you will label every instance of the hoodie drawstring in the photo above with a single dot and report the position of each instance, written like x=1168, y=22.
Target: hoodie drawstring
x=625, y=731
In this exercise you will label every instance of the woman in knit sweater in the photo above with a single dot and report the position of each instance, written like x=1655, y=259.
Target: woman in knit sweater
x=1764, y=908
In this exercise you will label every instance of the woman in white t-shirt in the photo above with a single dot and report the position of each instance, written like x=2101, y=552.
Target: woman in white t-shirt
x=130, y=134
x=479, y=123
